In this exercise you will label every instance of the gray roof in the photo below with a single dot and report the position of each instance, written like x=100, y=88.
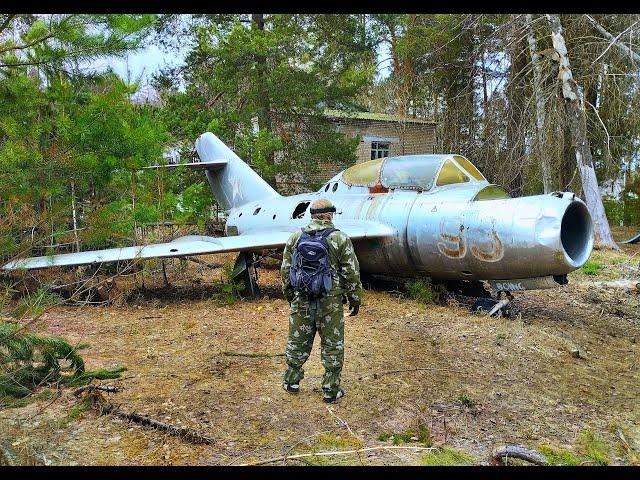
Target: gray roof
x=381, y=117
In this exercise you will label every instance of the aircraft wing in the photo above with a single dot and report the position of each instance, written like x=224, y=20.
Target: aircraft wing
x=190, y=245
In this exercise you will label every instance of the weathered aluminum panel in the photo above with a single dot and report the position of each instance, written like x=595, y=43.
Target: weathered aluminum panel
x=188, y=245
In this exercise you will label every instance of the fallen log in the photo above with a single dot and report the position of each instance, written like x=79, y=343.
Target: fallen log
x=104, y=388
x=633, y=285
x=500, y=455
x=106, y=408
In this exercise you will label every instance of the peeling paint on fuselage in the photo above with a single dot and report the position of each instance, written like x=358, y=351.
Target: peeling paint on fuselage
x=441, y=232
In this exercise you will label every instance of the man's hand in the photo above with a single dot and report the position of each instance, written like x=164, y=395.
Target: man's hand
x=354, y=310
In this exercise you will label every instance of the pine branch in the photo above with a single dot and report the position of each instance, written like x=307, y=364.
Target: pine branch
x=28, y=45
x=7, y=21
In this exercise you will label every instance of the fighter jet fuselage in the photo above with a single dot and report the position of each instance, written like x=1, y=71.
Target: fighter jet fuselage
x=449, y=232
x=434, y=215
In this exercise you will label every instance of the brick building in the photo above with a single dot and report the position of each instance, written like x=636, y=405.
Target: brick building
x=381, y=135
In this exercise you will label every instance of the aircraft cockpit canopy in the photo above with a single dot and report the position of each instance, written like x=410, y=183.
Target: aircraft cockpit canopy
x=413, y=172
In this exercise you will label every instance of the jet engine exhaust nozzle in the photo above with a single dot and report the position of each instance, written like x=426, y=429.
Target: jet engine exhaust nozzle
x=576, y=234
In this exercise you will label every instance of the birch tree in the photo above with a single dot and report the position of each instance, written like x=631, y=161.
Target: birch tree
x=536, y=62
x=576, y=119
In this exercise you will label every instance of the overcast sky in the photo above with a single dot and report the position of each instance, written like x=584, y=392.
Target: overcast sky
x=149, y=60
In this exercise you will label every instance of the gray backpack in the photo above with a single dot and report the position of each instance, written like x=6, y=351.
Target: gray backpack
x=310, y=272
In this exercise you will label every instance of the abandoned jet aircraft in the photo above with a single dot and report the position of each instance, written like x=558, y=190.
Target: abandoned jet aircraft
x=432, y=215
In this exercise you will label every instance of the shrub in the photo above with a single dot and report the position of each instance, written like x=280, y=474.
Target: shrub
x=423, y=291
x=466, y=401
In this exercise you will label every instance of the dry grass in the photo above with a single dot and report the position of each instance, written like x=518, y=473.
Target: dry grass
x=474, y=382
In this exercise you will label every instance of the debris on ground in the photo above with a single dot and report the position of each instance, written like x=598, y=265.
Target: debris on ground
x=565, y=363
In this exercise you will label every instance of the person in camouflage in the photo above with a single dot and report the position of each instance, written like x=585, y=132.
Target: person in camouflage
x=325, y=315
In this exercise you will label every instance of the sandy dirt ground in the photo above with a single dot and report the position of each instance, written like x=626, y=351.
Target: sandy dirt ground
x=475, y=382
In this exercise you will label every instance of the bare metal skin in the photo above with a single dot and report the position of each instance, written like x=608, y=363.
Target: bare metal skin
x=414, y=215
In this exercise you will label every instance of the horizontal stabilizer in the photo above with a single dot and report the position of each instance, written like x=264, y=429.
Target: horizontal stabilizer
x=634, y=239
x=208, y=165
x=190, y=245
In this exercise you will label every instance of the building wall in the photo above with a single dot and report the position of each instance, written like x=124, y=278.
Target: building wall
x=405, y=138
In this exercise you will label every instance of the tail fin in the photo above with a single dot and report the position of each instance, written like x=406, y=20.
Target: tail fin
x=236, y=183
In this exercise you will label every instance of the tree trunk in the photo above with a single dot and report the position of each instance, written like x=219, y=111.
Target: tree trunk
x=515, y=96
x=264, y=108
x=540, y=104
x=576, y=118
x=75, y=216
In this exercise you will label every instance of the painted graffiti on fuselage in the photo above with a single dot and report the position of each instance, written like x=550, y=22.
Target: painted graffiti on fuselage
x=455, y=246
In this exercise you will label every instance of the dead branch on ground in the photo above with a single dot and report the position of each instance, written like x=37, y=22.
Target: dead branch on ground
x=106, y=408
x=338, y=452
x=104, y=388
x=203, y=263
x=341, y=422
x=500, y=455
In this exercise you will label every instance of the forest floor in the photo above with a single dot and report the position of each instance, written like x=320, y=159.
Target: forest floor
x=415, y=375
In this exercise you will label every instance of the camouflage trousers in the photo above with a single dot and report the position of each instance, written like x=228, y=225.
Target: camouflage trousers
x=326, y=317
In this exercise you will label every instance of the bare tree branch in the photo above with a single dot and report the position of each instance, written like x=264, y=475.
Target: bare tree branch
x=614, y=40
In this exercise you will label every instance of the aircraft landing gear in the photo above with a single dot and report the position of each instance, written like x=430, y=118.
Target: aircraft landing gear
x=492, y=307
x=245, y=271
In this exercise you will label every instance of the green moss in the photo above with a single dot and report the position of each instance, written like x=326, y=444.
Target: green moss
x=74, y=413
x=594, y=448
x=337, y=442
x=403, y=437
x=558, y=456
x=331, y=442
x=421, y=434
x=591, y=268
x=447, y=457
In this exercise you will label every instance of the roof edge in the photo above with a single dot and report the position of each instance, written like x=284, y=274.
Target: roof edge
x=380, y=117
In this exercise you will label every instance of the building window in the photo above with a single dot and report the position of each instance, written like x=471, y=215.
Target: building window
x=379, y=150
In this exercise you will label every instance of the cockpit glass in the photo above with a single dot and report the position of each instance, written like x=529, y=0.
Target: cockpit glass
x=491, y=192
x=410, y=172
x=449, y=174
x=469, y=167
x=365, y=173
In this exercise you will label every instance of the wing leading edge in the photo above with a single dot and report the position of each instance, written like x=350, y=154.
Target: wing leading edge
x=190, y=245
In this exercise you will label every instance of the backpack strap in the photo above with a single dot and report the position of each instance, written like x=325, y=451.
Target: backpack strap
x=328, y=231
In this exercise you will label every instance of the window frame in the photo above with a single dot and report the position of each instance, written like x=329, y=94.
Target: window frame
x=377, y=149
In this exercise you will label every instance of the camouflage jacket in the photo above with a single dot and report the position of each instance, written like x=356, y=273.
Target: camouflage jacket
x=346, y=269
